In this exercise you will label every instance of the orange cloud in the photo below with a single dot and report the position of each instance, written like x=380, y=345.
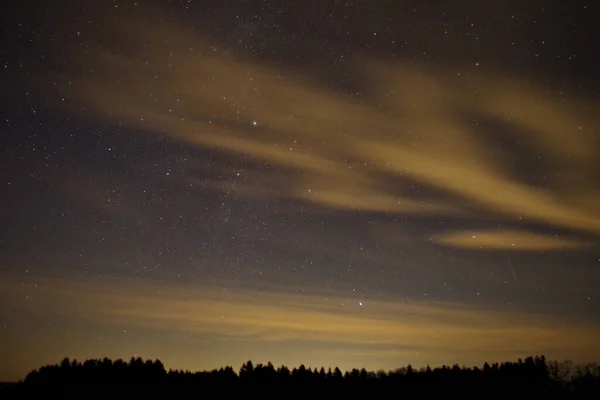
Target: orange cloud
x=418, y=126
x=253, y=316
x=505, y=239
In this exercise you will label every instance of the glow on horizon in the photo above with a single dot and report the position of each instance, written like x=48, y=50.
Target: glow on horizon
x=190, y=327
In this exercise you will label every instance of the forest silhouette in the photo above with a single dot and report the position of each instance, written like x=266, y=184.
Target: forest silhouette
x=530, y=376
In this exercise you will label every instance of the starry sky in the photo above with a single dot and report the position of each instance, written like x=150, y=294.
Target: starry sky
x=338, y=183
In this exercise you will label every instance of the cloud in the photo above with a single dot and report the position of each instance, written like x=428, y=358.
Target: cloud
x=505, y=239
x=115, y=199
x=252, y=316
x=412, y=131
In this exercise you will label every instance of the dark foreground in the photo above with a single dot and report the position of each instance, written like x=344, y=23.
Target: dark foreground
x=533, y=376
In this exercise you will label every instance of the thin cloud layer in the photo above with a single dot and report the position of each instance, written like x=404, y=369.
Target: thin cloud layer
x=412, y=131
x=248, y=315
x=504, y=239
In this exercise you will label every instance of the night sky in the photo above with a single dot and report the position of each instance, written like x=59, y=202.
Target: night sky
x=329, y=183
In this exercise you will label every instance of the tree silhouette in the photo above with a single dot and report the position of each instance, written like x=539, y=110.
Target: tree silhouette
x=531, y=376
x=247, y=369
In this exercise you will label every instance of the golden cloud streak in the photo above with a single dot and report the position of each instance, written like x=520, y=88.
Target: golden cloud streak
x=275, y=317
x=504, y=239
x=416, y=125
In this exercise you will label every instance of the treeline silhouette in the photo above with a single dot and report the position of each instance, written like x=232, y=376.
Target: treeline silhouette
x=531, y=376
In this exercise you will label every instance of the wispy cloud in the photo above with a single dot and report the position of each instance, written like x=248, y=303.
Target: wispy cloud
x=413, y=130
x=260, y=316
x=110, y=198
x=504, y=239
